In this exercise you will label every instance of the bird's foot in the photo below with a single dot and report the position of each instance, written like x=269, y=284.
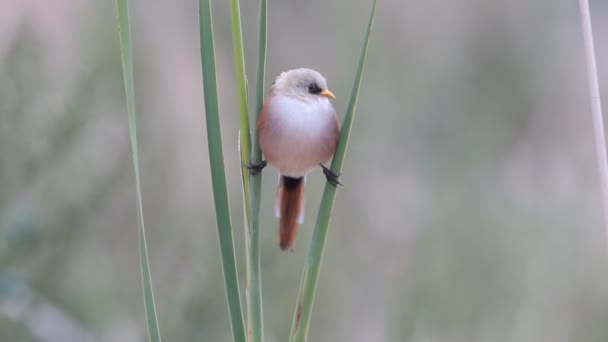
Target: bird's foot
x=254, y=169
x=331, y=176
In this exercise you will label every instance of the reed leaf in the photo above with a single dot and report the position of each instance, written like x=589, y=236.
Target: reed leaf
x=127, y=66
x=301, y=319
x=255, y=318
x=218, y=176
x=241, y=86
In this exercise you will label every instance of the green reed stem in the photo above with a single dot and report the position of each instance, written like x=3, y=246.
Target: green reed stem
x=218, y=176
x=301, y=320
x=127, y=66
x=254, y=282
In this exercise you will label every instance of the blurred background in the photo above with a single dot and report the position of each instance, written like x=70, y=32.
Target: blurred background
x=471, y=206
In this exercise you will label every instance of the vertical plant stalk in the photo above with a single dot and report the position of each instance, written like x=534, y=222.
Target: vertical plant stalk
x=218, y=176
x=255, y=318
x=255, y=329
x=127, y=66
x=301, y=319
x=596, y=108
x=241, y=86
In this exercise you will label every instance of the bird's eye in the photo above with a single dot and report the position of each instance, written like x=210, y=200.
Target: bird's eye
x=313, y=88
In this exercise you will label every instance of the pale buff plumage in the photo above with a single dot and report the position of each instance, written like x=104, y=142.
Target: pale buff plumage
x=298, y=130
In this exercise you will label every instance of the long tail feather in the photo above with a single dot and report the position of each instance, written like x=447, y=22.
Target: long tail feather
x=290, y=202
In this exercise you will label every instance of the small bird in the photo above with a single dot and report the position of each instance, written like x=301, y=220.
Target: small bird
x=298, y=130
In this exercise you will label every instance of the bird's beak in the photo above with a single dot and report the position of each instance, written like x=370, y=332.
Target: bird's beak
x=327, y=93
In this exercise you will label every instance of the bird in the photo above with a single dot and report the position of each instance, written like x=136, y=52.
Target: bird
x=298, y=130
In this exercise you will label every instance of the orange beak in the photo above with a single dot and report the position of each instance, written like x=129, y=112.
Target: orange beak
x=327, y=94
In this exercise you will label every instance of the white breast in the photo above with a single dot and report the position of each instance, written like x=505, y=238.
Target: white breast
x=301, y=117
x=303, y=131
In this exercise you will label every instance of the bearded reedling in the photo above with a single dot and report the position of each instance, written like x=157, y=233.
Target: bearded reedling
x=298, y=130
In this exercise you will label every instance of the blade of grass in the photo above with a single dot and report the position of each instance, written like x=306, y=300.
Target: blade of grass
x=301, y=320
x=127, y=66
x=596, y=108
x=255, y=330
x=260, y=80
x=255, y=318
x=218, y=176
x=241, y=86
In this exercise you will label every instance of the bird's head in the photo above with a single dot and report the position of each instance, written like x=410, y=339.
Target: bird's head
x=305, y=84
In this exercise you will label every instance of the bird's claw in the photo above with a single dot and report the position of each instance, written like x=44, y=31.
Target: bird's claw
x=254, y=169
x=332, y=177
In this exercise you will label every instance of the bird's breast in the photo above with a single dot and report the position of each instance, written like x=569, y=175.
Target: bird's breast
x=296, y=135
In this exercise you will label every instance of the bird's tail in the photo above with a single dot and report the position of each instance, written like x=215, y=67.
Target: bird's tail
x=290, y=210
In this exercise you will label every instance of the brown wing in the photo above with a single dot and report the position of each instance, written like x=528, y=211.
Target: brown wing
x=333, y=137
x=263, y=129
